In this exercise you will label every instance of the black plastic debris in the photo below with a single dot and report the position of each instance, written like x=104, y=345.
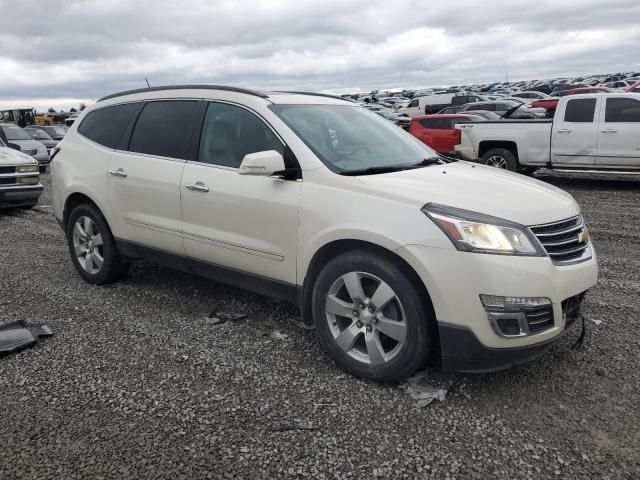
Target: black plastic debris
x=220, y=318
x=18, y=335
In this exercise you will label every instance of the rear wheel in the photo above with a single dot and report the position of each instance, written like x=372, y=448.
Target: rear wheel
x=93, y=250
x=371, y=318
x=500, y=158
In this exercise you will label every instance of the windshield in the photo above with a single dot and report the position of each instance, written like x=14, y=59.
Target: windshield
x=347, y=138
x=15, y=133
x=38, y=134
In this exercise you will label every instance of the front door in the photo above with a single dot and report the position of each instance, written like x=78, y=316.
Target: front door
x=619, y=133
x=243, y=222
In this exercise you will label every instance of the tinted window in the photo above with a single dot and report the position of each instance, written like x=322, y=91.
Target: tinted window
x=413, y=103
x=580, y=110
x=163, y=128
x=229, y=133
x=622, y=110
x=436, y=123
x=106, y=125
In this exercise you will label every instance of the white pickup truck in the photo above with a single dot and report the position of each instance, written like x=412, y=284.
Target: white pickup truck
x=598, y=131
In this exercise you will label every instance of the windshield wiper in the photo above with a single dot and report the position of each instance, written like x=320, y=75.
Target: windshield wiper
x=373, y=170
x=425, y=162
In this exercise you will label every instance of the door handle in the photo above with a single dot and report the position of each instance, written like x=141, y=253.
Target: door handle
x=609, y=130
x=197, y=187
x=564, y=130
x=118, y=173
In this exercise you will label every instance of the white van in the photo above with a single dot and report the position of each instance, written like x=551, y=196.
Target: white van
x=434, y=103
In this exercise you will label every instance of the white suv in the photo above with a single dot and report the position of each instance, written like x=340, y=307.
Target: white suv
x=395, y=255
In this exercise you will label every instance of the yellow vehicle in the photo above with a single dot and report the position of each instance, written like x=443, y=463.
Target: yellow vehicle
x=43, y=120
x=20, y=116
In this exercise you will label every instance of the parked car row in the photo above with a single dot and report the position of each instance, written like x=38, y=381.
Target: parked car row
x=37, y=141
x=19, y=176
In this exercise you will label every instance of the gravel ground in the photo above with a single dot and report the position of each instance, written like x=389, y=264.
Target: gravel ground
x=139, y=382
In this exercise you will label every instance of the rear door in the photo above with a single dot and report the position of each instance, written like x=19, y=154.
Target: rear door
x=144, y=175
x=242, y=222
x=619, y=132
x=574, y=134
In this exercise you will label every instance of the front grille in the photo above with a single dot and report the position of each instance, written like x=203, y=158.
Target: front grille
x=565, y=241
x=30, y=152
x=11, y=169
x=571, y=307
x=8, y=180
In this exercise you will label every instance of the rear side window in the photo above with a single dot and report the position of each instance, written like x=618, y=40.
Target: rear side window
x=436, y=123
x=622, y=110
x=163, y=128
x=106, y=125
x=580, y=110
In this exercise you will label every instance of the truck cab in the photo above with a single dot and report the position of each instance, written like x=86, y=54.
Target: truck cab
x=589, y=132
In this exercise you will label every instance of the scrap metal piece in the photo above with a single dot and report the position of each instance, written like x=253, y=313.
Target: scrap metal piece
x=18, y=335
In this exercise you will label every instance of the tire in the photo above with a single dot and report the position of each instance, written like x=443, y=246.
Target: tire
x=84, y=240
x=500, y=158
x=367, y=351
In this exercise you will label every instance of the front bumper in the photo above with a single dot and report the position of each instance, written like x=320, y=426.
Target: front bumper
x=19, y=196
x=461, y=351
x=455, y=280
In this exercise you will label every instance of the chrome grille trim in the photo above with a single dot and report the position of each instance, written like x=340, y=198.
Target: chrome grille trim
x=563, y=240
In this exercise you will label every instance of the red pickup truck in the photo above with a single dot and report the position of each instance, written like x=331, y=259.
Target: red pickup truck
x=552, y=103
x=438, y=131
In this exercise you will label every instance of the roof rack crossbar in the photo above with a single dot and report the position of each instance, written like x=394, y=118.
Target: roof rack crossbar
x=187, y=87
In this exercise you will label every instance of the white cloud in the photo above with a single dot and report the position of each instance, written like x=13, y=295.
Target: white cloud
x=79, y=49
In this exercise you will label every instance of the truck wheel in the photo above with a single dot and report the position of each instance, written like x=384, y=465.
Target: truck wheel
x=92, y=248
x=500, y=158
x=371, y=318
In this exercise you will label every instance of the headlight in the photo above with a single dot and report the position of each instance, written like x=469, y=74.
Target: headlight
x=476, y=232
x=28, y=168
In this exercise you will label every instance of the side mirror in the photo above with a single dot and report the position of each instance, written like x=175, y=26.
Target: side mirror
x=14, y=146
x=263, y=164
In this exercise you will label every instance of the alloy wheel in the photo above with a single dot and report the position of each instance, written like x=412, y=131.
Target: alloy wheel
x=87, y=245
x=366, y=318
x=497, y=161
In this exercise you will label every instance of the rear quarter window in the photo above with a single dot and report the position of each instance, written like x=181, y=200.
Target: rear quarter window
x=106, y=125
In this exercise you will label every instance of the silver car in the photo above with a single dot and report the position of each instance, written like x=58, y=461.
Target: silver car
x=29, y=146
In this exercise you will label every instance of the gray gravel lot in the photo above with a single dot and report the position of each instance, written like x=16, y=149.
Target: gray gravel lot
x=139, y=383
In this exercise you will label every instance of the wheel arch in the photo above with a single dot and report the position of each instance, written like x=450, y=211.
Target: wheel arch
x=336, y=247
x=487, y=145
x=78, y=198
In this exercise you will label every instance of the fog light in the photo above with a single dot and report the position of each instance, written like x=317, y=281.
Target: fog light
x=518, y=316
x=29, y=180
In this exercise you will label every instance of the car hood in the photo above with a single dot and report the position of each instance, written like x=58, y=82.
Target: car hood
x=9, y=156
x=27, y=144
x=480, y=189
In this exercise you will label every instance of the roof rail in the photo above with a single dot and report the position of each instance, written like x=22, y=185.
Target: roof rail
x=315, y=95
x=187, y=87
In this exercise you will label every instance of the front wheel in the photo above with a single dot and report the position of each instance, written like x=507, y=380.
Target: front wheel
x=92, y=247
x=500, y=158
x=371, y=318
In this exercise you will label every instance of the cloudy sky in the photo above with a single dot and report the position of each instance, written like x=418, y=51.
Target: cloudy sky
x=60, y=52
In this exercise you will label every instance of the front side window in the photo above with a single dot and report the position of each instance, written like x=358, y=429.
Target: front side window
x=231, y=132
x=163, y=128
x=580, y=110
x=348, y=138
x=105, y=126
x=412, y=104
x=622, y=110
